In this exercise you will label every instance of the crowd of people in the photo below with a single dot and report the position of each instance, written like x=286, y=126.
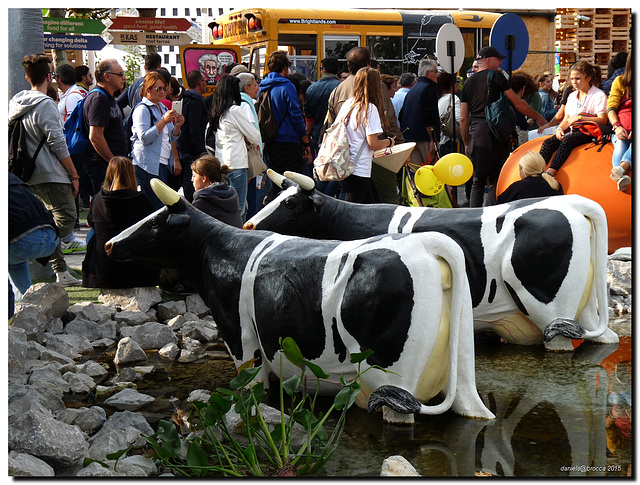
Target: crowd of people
x=201, y=146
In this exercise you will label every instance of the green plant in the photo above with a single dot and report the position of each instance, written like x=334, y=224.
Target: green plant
x=214, y=450
x=133, y=59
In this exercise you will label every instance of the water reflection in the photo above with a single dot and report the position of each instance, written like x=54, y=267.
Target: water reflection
x=557, y=415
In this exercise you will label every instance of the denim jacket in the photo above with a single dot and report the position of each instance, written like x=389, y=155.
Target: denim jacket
x=147, y=140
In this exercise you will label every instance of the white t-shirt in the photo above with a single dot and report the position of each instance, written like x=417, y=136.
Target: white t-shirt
x=358, y=136
x=594, y=103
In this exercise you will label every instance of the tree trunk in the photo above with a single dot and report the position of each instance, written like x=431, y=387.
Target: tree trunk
x=25, y=37
x=59, y=55
x=149, y=13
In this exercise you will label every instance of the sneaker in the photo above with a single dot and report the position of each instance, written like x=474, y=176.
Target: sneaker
x=616, y=173
x=623, y=183
x=75, y=244
x=64, y=278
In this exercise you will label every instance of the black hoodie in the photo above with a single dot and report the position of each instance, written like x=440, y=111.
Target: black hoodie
x=111, y=213
x=221, y=202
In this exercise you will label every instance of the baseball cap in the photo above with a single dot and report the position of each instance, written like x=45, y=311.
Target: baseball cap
x=238, y=69
x=489, y=51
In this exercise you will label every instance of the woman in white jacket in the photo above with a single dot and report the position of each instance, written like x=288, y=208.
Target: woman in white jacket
x=233, y=129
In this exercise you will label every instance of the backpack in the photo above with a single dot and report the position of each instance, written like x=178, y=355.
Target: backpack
x=333, y=162
x=500, y=115
x=20, y=163
x=267, y=122
x=128, y=126
x=74, y=134
x=600, y=133
x=447, y=120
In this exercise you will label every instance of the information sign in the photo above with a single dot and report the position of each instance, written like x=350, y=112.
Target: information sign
x=150, y=24
x=74, y=42
x=57, y=25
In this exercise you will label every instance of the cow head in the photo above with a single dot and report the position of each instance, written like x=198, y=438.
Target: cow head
x=158, y=239
x=294, y=210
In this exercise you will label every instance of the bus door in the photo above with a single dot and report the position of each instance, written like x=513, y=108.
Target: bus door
x=338, y=45
x=258, y=60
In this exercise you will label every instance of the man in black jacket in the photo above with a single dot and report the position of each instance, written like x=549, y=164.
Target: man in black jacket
x=191, y=143
x=419, y=119
x=32, y=233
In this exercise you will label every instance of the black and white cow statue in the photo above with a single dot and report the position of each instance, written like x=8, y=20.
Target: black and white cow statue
x=406, y=297
x=536, y=267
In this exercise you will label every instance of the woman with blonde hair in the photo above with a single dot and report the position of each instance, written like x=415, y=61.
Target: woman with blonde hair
x=154, y=130
x=535, y=181
x=213, y=195
x=364, y=114
x=117, y=206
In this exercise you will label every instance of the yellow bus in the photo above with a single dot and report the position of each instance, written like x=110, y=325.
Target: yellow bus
x=398, y=39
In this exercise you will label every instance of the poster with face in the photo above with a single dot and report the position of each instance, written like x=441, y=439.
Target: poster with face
x=209, y=61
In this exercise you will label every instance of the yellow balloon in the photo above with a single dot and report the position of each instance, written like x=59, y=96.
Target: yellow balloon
x=453, y=169
x=427, y=182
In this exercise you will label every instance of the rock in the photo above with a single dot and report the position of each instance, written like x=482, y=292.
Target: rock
x=131, y=299
x=17, y=353
x=93, y=369
x=49, y=375
x=102, y=392
x=54, y=326
x=128, y=352
x=25, y=465
x=129, y=400
x=200, y=330
x=48, y=355
x=621, y=254
x=170, y=309
x=48, y=399
x=70, y=345
x=52, y=299
x=191, y=349
x=144, y=463
x=79, y=383
x=122, y=420
x=397, y=466
x=153, y=335
x=176, y=322
x=96, y=470
x=127, y=374
x=32, y=320
x=33, y=430
x=169, y=351
x=195, y=304
x=619, y=273
x=131, y=318
x=88, y=420
x=90, y=329
x=86, y=310
x=201, y=395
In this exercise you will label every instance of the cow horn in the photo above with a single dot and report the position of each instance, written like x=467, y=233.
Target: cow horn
x=166, y=194
x=275, y=177
x=302, y=180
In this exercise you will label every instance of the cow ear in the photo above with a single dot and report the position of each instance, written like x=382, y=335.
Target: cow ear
x=317, y=201
x=178, y=221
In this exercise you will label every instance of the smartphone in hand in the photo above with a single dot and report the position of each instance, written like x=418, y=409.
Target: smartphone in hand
x=177, y=106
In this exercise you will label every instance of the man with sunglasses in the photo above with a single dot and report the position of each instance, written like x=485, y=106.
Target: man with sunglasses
x=102, y=119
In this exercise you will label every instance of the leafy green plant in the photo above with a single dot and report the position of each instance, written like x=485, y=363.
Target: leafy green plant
x=212, y=449
x=134, y=60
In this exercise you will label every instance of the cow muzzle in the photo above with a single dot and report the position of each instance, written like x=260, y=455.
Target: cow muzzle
x=249, y=226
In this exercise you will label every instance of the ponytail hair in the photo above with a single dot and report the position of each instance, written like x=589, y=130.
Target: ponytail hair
x=532, y=164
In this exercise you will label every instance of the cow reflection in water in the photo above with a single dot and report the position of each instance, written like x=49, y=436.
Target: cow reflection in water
x=550, y=409
x=406, y=297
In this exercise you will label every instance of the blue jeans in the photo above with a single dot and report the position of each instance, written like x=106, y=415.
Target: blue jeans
x=621, y=152
x=144, y=181
x=37, y=244
x=238, y=180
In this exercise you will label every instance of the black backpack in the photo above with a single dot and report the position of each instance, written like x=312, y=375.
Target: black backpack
x=269, y=126
x=128, y=126
x=20, y=163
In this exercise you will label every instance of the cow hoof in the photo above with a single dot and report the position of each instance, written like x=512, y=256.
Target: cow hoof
x=393, y=417
x=559, y=344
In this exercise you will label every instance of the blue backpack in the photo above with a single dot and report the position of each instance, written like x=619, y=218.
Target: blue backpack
x=74, y=134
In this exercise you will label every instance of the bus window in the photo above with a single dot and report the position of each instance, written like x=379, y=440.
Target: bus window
x=302, y=52
x=258, y=60
x=417, y=48
x=338, y=46
x=386, y=50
